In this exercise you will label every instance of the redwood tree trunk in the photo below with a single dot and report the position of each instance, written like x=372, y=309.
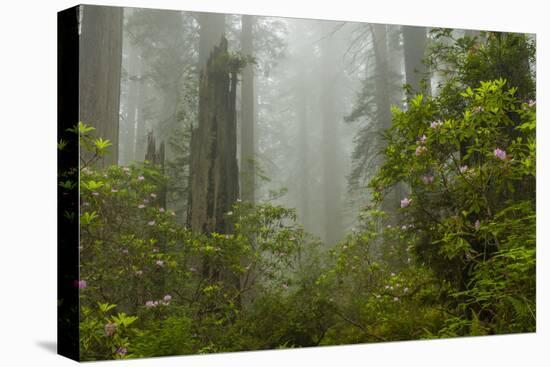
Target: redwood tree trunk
x=100, y=69
x=128, y=127
x=383, y=103
x=247, y=115
x=330, y=141
x=414, y=44
x=214, y=179
x=212, y=28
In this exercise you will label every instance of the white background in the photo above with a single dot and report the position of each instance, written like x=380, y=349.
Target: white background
x=28, y=183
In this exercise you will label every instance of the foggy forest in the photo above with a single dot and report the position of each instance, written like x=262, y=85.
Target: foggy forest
x=251, y=182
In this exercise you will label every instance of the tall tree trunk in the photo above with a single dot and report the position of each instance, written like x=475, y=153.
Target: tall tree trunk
x=248, y=101
x=211, y=33
x=100, y=70
x=382, y=77
x=302, y=104
x=330, y=140
x=414, y=44
x=128, y=127
x=212, y=28
x=383, y=102
x=394, y=81
x=140, y=138
x=214, y=179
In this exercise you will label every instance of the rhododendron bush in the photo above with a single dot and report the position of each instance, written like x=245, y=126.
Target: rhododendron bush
x=470, y=203
x=135, y=258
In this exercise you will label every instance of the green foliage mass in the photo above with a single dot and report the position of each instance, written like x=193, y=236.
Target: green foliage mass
x=458, y=257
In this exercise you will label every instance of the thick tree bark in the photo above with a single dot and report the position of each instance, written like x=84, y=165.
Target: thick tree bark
x=248, y=102
x=140, y=138
x=383, y=99
x=212, y=29
x=414, y=44
x=382, y=77
x=211, y=33
x=214, y=179
x=100, y=69
x=128, y=127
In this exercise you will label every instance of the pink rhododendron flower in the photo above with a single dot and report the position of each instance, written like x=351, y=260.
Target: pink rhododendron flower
x=114, y=190
x=125, y=251
x=146, y=201
x=141, y=206
x=531, y=103
x=500, y=154
x=422, y=139
x=149, y=304
x=167, y=298
x=477, y=224
x=81, y=284
x=121, y=351
x=139, y=272
x=285, y=286
x=406, y=202
x=161, y=210
x=151, y=223
x=159, y=262
x=172, y=213
x=463, y=169
x=406, y=289
x=192, y=269
x=95, y=194
x=436, y=124
x=396, y=299
x=141, y=178
x=126, y=169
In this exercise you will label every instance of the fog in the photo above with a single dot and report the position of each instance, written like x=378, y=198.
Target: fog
x=314, y=146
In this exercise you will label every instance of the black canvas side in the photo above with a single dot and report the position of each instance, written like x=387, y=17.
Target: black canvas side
x=67, y=189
